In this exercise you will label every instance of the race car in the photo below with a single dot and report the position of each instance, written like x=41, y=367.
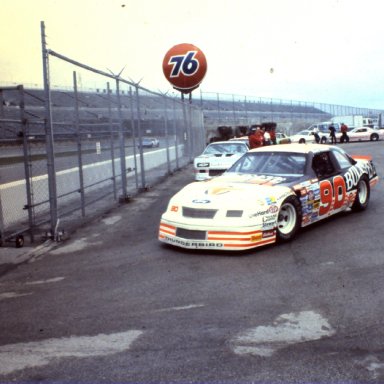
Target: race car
x=362, y=134
x=307, y=136
x=217, y=158
x=267, y=196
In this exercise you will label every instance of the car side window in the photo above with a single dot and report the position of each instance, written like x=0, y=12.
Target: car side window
x=322, y=165
x=343, y=160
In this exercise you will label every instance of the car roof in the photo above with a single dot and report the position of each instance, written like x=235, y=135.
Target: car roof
x=293, y=148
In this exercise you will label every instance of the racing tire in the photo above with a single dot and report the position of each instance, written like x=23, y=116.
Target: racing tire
x=323, y=140
x=374, y=137
x=19, y=241
x=363, y=195
x=302, y=141
x=288, y=219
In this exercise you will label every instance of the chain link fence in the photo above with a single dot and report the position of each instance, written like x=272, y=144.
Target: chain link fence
x=68, y=155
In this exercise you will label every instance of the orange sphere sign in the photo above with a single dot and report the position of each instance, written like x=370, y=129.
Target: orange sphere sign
x=185, y=66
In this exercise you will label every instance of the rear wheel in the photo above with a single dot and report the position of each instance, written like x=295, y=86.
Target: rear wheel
x=363, y=194
x=289, y=219
x=374, y=137
x=302, y=141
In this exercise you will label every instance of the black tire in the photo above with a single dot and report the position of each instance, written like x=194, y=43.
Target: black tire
x=323, y=140
x=374, y=137
x=19, y=241
x=289, y=219
x=302, y=141
x=363, y=194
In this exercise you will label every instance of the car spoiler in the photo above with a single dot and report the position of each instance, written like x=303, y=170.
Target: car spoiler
x=361, y=157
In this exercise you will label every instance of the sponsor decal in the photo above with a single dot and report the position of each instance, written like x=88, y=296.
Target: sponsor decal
x=221, y=190
x=269, y=218
x=256, y=237
x=266, y=180
x=273, y=209
x=269, y=233
x=352, y=176
x=201, y=201
x=270, y=200
x=192, y=244
x=202, y=164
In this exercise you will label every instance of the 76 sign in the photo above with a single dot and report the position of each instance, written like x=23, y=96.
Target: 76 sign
x=185, y=66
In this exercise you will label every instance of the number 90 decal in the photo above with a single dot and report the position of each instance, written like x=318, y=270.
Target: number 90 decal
x=185, y=66
x=332, y=197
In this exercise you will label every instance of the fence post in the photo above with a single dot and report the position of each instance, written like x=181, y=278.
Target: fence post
x=142, y=173
x=175, y=135
x=79, y=155
x=110, y=120
x=166, y=134
x=122, y=144
x=133, y=135
x=24, y=126
x=49, y=138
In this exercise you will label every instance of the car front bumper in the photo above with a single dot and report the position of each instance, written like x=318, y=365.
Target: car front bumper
x=219, y=238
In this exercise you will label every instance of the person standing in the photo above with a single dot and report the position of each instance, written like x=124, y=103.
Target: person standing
x=316, y=134
x=332, y=134
x=344, y=135
x=256, y=137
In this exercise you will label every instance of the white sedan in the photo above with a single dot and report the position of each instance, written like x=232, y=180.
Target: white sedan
x=307, y=136
x=217, y=158
x=363, y=134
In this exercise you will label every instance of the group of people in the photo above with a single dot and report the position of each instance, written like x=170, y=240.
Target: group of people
x=332, y=134
x=343, y=130
x=260, y=136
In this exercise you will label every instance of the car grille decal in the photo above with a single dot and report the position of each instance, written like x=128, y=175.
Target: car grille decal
x=191, y=234
x=198, y=213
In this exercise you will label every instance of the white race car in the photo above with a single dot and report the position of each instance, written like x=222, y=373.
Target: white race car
x=267, y=196
x=218, y=157
x=307, y=136
x=362, y=134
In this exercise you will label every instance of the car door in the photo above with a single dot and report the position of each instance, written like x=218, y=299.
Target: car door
x=360, y=134
x=332, y=187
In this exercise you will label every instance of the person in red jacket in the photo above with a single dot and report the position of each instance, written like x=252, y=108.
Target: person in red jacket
x=256, y=137
x=344, y=135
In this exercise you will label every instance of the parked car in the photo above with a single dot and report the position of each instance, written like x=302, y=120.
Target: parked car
x=218, y=157
x=267, y=196
x=302, y=137
x=363, y=134
x=282, y=138
x=149, y=142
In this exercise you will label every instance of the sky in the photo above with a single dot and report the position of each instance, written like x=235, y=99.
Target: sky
x=325, y=51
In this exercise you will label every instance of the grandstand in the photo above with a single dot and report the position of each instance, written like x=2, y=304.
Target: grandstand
x=97, y=106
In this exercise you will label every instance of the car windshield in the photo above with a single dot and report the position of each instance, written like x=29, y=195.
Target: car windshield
x=285, y=164
x=225, y=148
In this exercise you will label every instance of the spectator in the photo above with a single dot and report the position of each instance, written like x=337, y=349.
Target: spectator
x=267, y=137
x=332, y=135
x=316, y=134
x=344, y=135
x=256, y=137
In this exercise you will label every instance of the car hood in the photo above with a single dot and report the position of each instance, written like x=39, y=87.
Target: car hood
x=233, y=190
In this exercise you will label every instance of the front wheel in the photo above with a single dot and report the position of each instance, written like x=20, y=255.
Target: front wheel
x=363, y=194
x=302, y=141
x=289, y=219
x=323, y=140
